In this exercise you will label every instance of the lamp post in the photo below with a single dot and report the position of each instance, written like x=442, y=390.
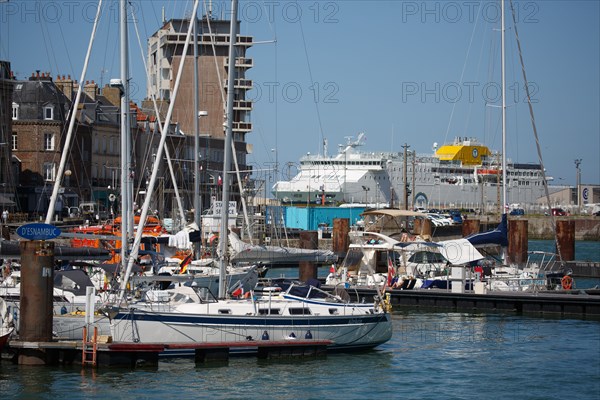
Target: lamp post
x=405, y=147
x=578, y=169
x=197, y=194
x=366, y=189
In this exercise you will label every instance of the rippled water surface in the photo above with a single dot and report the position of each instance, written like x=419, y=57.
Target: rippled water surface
x=431, y=355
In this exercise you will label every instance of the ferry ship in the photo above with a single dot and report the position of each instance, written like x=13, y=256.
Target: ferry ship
x=461, y=174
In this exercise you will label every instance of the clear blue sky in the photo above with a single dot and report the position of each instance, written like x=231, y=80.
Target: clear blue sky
x=414, y=72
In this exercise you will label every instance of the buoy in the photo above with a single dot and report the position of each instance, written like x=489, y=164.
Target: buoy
x=566, y=282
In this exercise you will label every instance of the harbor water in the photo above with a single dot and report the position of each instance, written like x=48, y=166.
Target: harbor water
x=431, y=355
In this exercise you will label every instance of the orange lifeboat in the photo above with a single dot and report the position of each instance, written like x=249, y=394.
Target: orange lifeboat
x=488, y=172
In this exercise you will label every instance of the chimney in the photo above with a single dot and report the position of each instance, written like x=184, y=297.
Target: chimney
x=66, y=86
x=112, y=94
x=90, y=89
x=74, y=88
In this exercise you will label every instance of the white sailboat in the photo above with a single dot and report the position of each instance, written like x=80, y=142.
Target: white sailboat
x=275, y=315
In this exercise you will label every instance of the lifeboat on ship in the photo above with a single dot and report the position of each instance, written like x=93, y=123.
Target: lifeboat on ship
x=489, y=171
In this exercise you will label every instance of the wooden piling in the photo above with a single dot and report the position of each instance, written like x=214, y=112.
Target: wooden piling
x=308, y=240
x=422, y=227
x=37, y=283
x=517, y=241
x=565, y=233
x=340, y=240
x=470, y=227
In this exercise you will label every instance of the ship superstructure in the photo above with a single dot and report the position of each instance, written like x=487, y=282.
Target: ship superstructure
x=464, y=173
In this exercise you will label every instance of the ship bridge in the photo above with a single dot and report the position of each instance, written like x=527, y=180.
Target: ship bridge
x=465, y=152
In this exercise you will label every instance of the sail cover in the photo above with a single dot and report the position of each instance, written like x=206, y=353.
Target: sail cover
x=498, y=236
x=459, y=251
x=244, y=252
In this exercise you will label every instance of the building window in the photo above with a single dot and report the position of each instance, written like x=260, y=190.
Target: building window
x=15, y=111
x=49, y=172
x=48, y=141
x=14, y=141
x=49, y=113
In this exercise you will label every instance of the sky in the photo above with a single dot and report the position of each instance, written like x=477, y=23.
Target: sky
x=402, y=72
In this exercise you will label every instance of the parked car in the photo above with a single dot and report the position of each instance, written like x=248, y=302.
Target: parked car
x=439, y=220
x=558, y=212
x=517, y=211
x=456, y=218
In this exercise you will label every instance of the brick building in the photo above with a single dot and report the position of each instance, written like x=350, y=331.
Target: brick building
x=165, y=48
x=8, y=178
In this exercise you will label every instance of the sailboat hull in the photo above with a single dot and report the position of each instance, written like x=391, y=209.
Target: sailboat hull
x=208, y=323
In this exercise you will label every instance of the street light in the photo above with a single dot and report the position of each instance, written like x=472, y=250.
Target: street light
x=578, y=168
x=197, y=194
x=366, y=189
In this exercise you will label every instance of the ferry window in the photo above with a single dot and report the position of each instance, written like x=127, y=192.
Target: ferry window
x=299, y=311
x=333, y=311
x=225, y=311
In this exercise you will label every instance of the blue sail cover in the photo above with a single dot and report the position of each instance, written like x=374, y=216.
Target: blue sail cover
x=498, y=236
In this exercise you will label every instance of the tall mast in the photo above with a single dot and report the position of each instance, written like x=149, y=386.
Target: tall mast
x=196, y=117
x=153, y=177
x=126, y=199
x=72, y=116
x=228, y=142
x=502, y=45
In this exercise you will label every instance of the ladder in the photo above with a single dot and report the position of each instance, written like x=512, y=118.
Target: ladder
x=89, y=348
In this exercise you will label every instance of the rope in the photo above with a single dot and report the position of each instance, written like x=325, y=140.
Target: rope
x=462, y=74
x=312, y=82
x=535, y=134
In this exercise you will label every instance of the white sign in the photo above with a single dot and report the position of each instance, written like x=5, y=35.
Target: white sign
x=585, y=194
x=218, y=204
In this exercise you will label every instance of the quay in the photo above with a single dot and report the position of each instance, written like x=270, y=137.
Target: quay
x=148, y=354
x=580, y=304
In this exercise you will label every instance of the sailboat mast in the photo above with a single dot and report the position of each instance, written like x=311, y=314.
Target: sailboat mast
x=196, y=116
x=502, y=45
x=72, y=118
x=126, y=206
x=153, y=177
x=228, y=142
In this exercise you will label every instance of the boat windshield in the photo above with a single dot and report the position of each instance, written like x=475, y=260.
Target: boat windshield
x=353, y=260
